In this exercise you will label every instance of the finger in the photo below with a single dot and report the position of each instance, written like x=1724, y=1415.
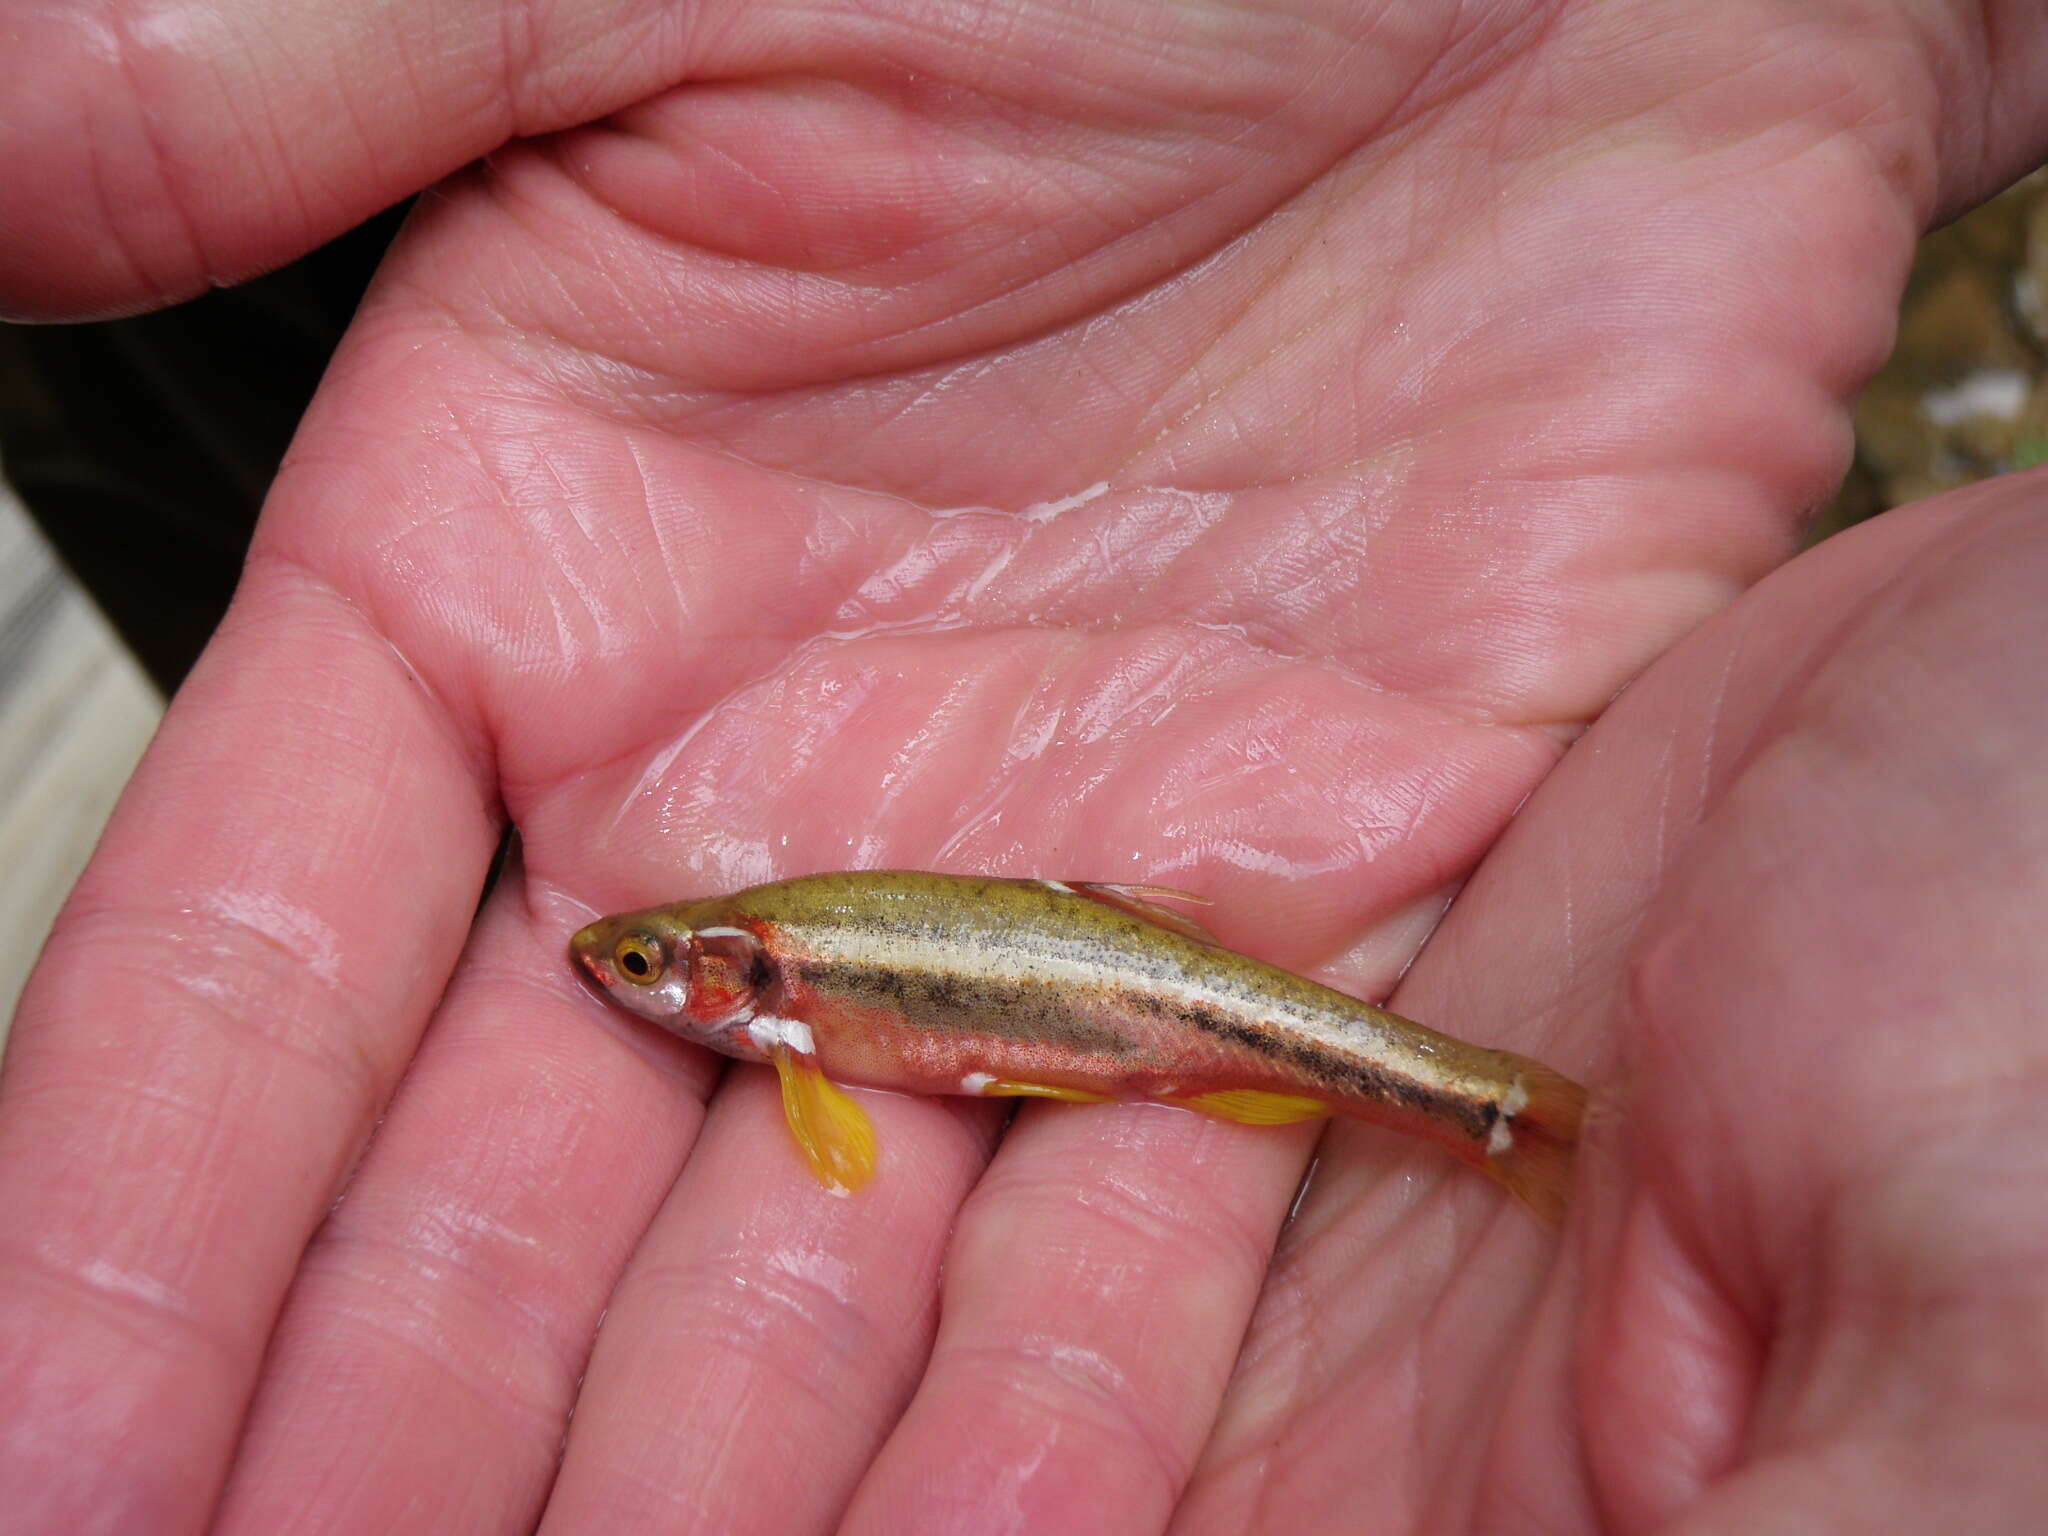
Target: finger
x=427, y=1359
x=224, y=1005
x=150, y=152
x=1096, y=1293
x=767, y=1333
x=1990, y=60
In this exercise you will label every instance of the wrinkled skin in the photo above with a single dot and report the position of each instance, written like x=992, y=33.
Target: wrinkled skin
x=1441, y=367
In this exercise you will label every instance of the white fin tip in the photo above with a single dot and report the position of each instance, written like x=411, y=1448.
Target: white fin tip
x=767, y=1031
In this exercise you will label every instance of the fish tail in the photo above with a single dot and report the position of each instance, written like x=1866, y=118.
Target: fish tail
x=1535, y=1140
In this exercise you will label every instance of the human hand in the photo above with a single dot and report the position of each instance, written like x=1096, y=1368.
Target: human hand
x=1785, y=894
x=1433, y=383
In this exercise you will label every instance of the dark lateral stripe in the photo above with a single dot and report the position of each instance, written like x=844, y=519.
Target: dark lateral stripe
x=1318, y=1064
x=936, y=998
x=933, y=998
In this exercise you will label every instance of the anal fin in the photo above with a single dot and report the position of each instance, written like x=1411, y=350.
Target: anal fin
x=835, y=1134
x=1251, y=1106
x=1005, y=1090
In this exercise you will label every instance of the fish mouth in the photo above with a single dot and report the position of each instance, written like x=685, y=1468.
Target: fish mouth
x=590, y=965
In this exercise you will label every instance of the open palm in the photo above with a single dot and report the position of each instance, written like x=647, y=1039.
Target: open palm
x=1231, y=449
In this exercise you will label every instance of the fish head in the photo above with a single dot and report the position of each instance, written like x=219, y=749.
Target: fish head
x=658, y=965
x=638, y=960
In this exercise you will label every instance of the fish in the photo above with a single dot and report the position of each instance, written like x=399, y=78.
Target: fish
x=1076, y=990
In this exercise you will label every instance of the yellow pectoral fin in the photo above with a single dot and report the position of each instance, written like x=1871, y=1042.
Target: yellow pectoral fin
x=1002, y=1090
x=837, y=1138
x=1249, y=1106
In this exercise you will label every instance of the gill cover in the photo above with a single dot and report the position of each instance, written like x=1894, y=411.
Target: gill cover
x=726, y=972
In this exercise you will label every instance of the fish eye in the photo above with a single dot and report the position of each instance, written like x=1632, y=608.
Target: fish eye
x=638, y=958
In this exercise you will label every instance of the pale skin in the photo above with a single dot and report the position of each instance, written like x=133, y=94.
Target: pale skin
x=1442, y=371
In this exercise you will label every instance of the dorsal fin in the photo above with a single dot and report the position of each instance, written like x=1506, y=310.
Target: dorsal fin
x=1143, y=903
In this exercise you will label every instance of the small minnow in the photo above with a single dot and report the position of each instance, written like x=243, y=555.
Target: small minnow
x=1054, y=989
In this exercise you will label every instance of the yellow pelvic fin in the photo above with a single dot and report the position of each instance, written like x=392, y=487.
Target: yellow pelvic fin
x=1249, y=1106
x=1003, y=1090
x=1143, y=902
x=837, y=1138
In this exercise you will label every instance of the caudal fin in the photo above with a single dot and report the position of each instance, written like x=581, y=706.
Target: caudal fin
x=1536, y=1140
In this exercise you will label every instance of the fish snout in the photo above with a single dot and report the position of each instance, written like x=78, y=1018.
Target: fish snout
x=593, y=963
